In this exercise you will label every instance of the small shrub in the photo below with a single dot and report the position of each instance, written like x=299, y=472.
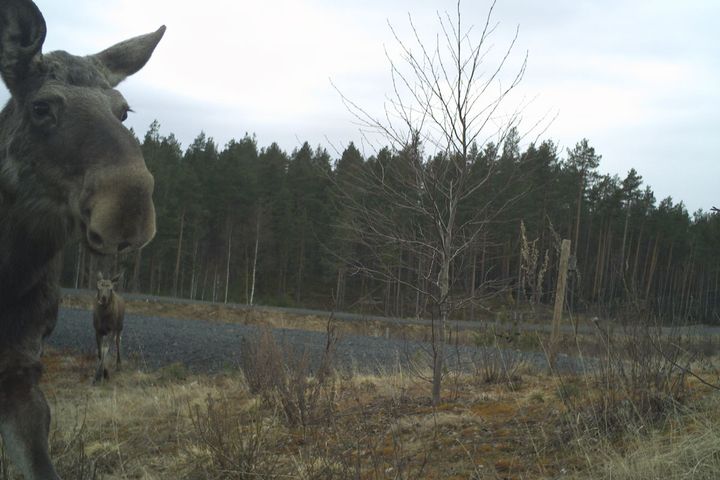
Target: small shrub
x=237, y=446
x=638, y=382
x=280, y=374
x=493, y=365
x=68, y=452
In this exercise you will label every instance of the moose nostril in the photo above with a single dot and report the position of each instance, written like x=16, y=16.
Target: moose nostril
x=95, y=238
x=123, y=246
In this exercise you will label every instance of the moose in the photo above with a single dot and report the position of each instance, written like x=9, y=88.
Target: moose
x=68, y=168
x=108, y=316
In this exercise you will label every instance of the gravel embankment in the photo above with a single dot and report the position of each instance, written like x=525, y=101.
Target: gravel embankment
x=203, y=346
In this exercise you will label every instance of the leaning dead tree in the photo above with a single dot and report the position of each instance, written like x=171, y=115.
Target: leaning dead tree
x=417, y=209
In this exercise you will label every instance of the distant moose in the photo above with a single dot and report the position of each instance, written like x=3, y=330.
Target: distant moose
x=108, y=316
x=68, y=167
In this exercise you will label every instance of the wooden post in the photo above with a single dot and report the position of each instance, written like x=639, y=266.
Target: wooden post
x=559, y=300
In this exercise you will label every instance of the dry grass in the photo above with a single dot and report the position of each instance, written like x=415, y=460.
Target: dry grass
x=157, y=426
x=502, y=421
x=161, y=425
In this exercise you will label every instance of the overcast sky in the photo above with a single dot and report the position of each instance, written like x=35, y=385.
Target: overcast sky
x=639, y=79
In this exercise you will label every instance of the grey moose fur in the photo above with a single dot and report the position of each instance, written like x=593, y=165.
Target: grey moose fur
x=68, y=168
x=108, y=317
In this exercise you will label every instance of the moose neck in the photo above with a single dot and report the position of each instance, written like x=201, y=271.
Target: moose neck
x=35, y=222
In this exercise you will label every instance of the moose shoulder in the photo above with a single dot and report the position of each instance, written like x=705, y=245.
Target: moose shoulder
x=68, y=166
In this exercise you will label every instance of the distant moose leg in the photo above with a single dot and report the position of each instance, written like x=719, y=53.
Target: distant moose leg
x=103, y=347
x=98, y=341
x=118, y=338
x=25, y=421
x=100, y=373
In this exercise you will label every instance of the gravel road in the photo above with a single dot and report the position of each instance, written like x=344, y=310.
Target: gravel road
x=203, y=346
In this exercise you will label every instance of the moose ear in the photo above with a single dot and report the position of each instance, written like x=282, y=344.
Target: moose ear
x=126, y=58
x=99, y=276
x=22, y=33
x=116, y=278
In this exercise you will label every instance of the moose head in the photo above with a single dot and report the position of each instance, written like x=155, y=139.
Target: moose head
x=105, y=288
x=64, y=135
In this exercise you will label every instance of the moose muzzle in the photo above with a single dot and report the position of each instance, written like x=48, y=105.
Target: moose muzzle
x=118, y=211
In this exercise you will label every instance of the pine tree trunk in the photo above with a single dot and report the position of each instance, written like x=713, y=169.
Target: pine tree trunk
x=576, y=236
x=159, y=278
x=651, y=269
x=176, y=274
x=299, y=279
x=227, y=263
x=255, y=258
x=633, y=278
x=135, y=287
x=79, y=264
x=205, y=279
x=420, y=285
x=152, y=274
x=398, y=284
x=598, y=265
x=91, y=272
x=194, y=271
x=623, y=264
x=473, y=285
x=214, y=283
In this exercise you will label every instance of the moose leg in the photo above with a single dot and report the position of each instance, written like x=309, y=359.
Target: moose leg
x=25, y=423
x=118, y=336
x=103, y=348
x=98, y=341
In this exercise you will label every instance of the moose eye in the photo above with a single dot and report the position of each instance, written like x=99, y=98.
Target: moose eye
x=41, y=109
x=124, y=114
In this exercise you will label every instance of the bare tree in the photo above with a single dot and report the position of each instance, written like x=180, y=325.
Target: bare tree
x=415, y=210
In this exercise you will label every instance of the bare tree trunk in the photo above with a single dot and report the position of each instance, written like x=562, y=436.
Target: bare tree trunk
x=176, y=274
x=440, y=329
